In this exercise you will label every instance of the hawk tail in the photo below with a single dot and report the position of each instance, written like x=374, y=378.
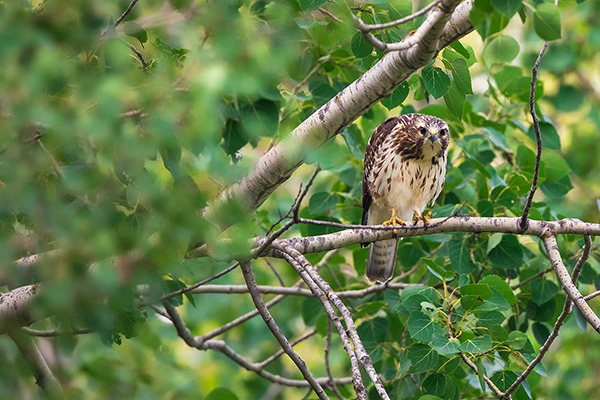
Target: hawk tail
x=382, y=260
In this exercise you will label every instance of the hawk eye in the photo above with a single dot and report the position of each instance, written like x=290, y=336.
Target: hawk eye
x=443, y=132
x=423, y=130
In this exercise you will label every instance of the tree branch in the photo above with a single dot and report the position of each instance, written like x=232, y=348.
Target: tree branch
x=278, y=164
x=276, y=331
x=538, y=138
x=309, y=273
x=222, y=347
x=565, y=280
x=45, y=379
x=567, y=307
x=14, y=307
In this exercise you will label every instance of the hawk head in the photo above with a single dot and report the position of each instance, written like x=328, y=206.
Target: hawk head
x=421, y=137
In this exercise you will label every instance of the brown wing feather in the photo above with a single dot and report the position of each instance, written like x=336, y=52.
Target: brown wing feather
x=378, y=137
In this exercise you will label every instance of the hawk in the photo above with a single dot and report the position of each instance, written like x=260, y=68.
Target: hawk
x=405, y=168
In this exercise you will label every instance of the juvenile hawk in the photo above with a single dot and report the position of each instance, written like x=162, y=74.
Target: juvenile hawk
x=405, y=168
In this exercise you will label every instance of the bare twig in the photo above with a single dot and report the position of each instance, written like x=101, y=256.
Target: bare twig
x=531, y=278
x=334, y=388
x=222, y=347
x=298, y=291
x=409, y=40
x=43, y=375
x=55, y=332
x=294, y=342
x=567, y=307
x=565, y=280
x=276, y=331
x=538, y=139
x=199, y=284
x=329, y=14
x=125, y=13
x=368, y=28
x=310, y=274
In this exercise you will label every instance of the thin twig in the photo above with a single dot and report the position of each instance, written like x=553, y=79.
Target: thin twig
x=367, y=28
x=567, y=307
x=125, y=13
x=222, y=347
x=198, y=284
x=333, y=386
x=298, y=291
x=276, y=331
x=538, y=139
x=526, y=281
x=293, y=212
x=565, y=280
x=409, y=40
x=363, y=356
x=294, y=342
x=329, y=14
x=55, y=332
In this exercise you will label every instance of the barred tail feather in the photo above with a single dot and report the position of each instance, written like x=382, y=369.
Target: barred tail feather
x=382, y=260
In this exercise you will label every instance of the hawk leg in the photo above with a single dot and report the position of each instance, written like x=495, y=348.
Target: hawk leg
x=424, y=218
x=394, y=220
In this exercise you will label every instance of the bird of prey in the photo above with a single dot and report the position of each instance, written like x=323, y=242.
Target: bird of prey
x=405, y=168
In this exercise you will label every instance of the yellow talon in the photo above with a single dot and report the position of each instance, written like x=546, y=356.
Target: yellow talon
x=394, y=220
x=424, y=218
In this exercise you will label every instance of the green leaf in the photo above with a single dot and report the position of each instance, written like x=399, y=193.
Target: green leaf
x=517, y=340
x=481, y=373
x=511, y=81
x=490, y=318
x=439, y=272
x=555, y=167
x=543, y=290
x=503, y=379
x=546, y=21
x=477, y=345
x=221, y=393
x=373, y=333
x=476, y=289
x=360, y=46
x=398, y=96
x=135, y=30
x=436, y=81
x=422, y=357
x=507, y=7
x=322, y=201
x=261, y=118
x=498, y=284
x=435, y=384
x=455, y=101
x=461, y=75
x=550, y=138
x=444, y=344
x=500, y=49
x=322, y=93
x=392, y=298
x=422, y=327
x=494, y=241
x=354, y=140
x=310, y=5
x=460, y=256
x=508, y=254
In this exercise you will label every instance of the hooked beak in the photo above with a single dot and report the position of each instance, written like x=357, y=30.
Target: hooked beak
x=433, y=136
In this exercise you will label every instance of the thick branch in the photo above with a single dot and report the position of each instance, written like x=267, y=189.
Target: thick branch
x=14, y=307
x=354, y=234
x=277, y=165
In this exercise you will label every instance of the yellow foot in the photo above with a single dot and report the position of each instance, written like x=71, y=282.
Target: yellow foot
x=394, y=220
x=424, y=218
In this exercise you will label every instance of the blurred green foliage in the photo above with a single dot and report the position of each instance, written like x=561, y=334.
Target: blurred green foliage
x=105, y=151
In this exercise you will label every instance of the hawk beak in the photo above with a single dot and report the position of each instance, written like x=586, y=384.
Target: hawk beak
x=433, y=136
